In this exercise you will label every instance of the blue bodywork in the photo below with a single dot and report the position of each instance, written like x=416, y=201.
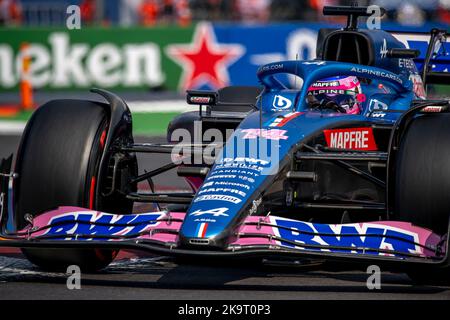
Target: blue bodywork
x=240, y=176
x=255, y=156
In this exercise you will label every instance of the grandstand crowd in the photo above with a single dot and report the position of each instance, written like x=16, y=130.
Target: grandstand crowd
x=184, y=12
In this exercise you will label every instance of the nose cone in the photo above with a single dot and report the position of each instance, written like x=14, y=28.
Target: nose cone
x=249, y=159
x=244, y=169
x=222, y=200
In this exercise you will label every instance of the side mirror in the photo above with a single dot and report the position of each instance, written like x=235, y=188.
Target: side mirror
x=201, y=97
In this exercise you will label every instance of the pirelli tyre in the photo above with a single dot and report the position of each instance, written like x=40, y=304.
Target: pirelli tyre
x=57, y=162
x=422, y=182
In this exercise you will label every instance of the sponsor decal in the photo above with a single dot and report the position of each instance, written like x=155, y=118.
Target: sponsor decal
x=221, y=176
x=200, y=100
x=245, y=178
x=281, y=103
x=432, y=109
x=352, y=138
x=208, y=184
x=270, y=134
x=316, y=63
x=320, y=84
x=383, y=74
x=227, y=183
x=222, y=190
x=326, y=91
x=87, y=223
x=244, y=160
x=60, y=61
x=219, y=197
x=406, y=63
x=218, y=212
x=378, y=114
x=272, y=66
x=280, y=121
x=301, y=233
x=201, y=229
x=243, y=163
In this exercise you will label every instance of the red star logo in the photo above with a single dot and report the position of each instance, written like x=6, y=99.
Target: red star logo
x=204, y=61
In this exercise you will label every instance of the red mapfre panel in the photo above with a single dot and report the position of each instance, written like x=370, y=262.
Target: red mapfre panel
x=352, y=138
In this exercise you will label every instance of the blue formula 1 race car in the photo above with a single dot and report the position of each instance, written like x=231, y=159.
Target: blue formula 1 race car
x=338, y=158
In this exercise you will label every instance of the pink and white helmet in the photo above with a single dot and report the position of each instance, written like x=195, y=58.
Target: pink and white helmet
x=341, y=94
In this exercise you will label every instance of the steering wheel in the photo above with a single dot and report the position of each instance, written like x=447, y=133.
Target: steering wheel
x=324, y=104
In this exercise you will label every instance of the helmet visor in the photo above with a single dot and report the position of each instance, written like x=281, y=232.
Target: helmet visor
x=340, y=97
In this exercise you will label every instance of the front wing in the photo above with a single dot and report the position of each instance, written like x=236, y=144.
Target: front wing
x=379, y=242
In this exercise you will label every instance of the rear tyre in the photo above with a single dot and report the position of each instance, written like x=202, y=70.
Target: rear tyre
x=422, y=182
x=58, y=161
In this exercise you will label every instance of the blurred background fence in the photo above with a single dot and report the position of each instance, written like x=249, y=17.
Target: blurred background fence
x=184, y=12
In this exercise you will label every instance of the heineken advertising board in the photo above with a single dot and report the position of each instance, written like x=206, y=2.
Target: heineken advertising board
x=203, y=56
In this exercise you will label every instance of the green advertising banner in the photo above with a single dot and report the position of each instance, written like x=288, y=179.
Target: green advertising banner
x=202, y=56
x=118, y=58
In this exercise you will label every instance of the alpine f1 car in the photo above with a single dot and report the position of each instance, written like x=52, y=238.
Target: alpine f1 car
x=348, y=162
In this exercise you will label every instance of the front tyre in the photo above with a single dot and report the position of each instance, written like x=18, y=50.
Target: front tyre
x=422, y=182
x=58, y=162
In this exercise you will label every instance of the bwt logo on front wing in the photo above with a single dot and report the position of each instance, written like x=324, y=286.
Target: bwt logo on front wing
x=335, y=238
x=97, y=223
x=353, y=139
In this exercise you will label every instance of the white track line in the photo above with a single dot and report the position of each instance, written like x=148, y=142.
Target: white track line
x=11, y=127
x=161, y=106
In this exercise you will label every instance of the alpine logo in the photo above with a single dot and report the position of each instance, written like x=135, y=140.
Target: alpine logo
x=281, y=103
x=352, y=139
x=383, y=50
x=214, y=212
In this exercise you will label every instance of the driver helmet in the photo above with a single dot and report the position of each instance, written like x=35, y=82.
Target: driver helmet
x=341, y=93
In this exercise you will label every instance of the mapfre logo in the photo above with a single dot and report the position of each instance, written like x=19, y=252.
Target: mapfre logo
x=352, y=139
x=281, y=103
